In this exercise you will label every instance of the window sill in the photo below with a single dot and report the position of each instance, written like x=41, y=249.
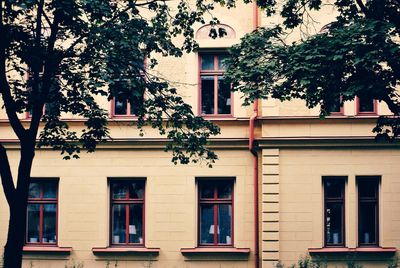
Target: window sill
x=125, y=250
x=218, y=116
x=123, y=118
x=387, y=250
x=215, y=250
x=370, y=114
x=47, y=249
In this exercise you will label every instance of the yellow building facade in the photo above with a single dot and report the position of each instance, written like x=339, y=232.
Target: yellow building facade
x=287, y=183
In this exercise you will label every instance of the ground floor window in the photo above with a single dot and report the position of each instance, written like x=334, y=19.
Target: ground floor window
x=42, y=212
x=368, y=211
x=127, y=212
x=334, y=210
x=215, y=212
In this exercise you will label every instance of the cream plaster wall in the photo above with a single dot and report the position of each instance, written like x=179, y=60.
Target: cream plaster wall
x=297, y=174
x=171, y=206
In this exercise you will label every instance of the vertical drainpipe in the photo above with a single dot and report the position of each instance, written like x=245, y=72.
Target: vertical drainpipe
x=252, y=120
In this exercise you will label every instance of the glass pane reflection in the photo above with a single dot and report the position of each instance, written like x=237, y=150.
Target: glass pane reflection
x=333, y=223
x=119, y=224
x=225, y=224
x=207, y=228
x=33, y=223
x=49, y=223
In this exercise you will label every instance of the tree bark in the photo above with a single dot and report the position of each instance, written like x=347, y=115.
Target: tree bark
x=18, y=210
x=16, y=235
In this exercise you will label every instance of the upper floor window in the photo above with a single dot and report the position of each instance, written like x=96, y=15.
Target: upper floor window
x=366, y=105
x=337, y=107
x=42, y=213
x=126, y=107
x=215, y=212
x=368, y=211
x=334, y=207
x=129, y=106
x=215, y=93
x=127, y=212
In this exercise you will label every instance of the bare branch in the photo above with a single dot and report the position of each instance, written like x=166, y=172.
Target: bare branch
x=50, y=65
x=5, y=91
x=6, y=176
x=363, y=8
x=105, y=24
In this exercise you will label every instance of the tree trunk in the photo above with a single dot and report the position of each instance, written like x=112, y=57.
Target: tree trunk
x=16, y=235
x=18, y=210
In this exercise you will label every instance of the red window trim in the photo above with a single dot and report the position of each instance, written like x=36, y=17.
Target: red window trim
x=42, y=201
x=47, y=249
x=343, y=201
x=377, y=180
x=331, y=250
x=122, y=250
x=128, y=201
x=215, y=201
x=374, y=112
x=216, y=72
x=341, y=111
x=222, y=250
x=122, y=116
x=128, y=114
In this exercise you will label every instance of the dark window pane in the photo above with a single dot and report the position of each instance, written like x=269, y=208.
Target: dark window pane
x=334, y=188
x=367, y=223
x=207, y=94
x=207, y=224
x=49, y=223
x=49, y=189
x=207, y=62
x=207, y=190
x=34, y=190
x=367, y=188
x=225, y=224
x=136, y=189
x=333, y=223
x=335, y=108
x=221, y=65
x=135, y=224
x=119, y=224
x=135, y=103
x=119, y=190
x=224, y=96
x=366, y=104
x=120, y=107
x=33, y=223
x=224, y=190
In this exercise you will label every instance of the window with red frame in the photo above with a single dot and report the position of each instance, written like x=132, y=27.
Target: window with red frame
x=334, y=211
x=127, y=212
x=337, y=107
x=368, y=211
x=42, y=213
x=215, y=93
x=366, y=105
x=123, y=106
x=215, y=212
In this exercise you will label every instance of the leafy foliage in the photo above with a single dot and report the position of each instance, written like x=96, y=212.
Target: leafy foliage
x=357, y=55
x=75, y=50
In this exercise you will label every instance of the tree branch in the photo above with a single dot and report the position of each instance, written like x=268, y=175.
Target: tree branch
x=393, y=106
x=6, y=175
x=105, y=24
x=5, y=90
x=50, y=65
x=363, y=8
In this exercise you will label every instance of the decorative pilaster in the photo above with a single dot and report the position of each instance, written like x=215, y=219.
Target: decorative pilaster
x=270, y=207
